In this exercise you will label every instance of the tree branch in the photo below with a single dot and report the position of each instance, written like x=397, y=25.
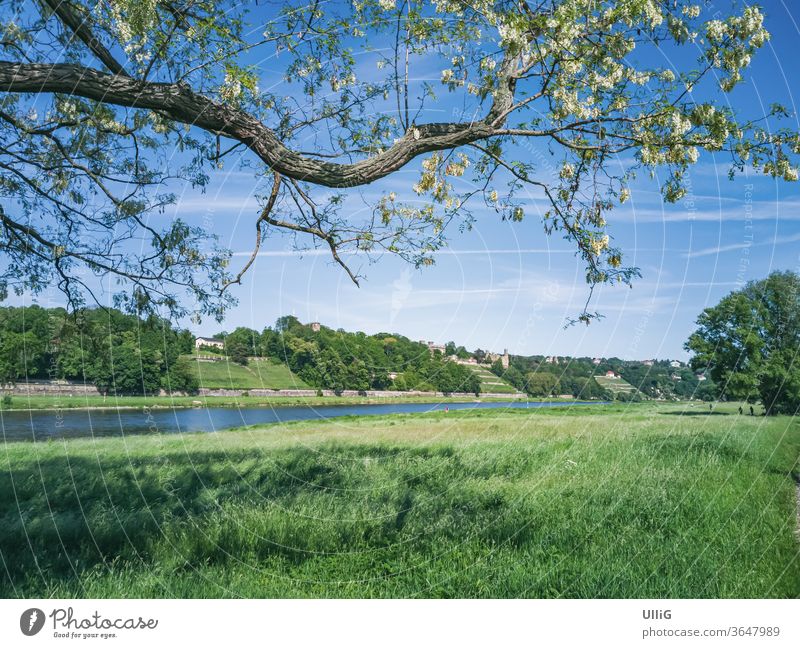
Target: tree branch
x=70, y=19
x=182, y=104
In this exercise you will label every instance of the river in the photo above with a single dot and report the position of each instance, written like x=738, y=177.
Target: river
x=41, y=425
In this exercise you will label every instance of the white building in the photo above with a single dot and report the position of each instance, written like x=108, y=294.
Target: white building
x=209, y=342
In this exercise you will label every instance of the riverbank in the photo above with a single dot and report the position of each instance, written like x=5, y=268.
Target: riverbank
x=621, y=501
x=47, y=425
x=26, y=403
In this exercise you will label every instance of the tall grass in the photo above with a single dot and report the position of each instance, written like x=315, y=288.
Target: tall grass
x=618, y=502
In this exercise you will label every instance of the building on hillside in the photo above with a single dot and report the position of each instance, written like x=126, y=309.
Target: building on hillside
x=504, y=359
x=675, y=377
x=611, y=374
x=551, y=360
x=596, y=361
x=315, y=326
x=648, y=363
x=216, y=343
x=432, y=347
x=700, y=377
x=675, y=364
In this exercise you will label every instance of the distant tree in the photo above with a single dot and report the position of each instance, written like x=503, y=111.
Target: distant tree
x=287, y=324
x=357, y=376
x=332, y=372
x=241, y=344
x=749, y=343
x=541, y=384
x=380, y=379
x=181, y=377
x=497, y=368
x=129, y=370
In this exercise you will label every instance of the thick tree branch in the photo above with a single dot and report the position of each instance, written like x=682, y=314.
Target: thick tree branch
x=181, y=104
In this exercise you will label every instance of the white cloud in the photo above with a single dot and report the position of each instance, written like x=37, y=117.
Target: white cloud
x=721, y=249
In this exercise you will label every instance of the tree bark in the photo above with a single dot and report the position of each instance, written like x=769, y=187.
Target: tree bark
x=180, y=103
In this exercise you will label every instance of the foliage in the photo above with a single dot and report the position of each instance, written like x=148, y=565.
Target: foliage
x=340, y=360
x=750, y=340
x=119, y=353
x=654, y=379
x=240, y=344
x=106, y=106
x=541, y=384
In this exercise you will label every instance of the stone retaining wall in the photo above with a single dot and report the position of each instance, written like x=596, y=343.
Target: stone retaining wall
x=310, y=393
x=44, y=388
x=64, y=388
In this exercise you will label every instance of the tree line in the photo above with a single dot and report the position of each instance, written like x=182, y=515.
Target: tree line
x=575, y=377
x=339, y=360
x=745, y=348
x=117, y=352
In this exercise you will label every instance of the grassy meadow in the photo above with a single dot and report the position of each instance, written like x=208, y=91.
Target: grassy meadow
x=605, y=501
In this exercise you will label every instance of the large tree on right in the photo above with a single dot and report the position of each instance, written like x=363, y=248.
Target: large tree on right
x=750, y=342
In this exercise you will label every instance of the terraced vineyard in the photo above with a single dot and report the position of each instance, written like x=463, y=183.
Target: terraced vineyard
x=491, y=384
x=615, y=385
x=260, y=373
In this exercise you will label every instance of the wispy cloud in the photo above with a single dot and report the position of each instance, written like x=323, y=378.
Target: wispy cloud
x=722, y=249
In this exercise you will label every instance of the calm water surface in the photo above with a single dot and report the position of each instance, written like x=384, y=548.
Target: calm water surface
x=41, y=425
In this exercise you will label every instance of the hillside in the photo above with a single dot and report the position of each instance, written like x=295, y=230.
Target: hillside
x=615, y=385
x=490, y=383
x=260, y=373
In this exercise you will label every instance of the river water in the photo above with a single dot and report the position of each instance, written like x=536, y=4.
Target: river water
x=40, y=425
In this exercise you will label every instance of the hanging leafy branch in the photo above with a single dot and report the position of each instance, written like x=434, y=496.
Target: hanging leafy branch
x=108, y=104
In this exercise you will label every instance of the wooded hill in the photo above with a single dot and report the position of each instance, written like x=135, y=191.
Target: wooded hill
x=125, y=354
x=565, y=375
x=339, y=360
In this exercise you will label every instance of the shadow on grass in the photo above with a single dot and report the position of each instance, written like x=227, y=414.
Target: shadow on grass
x=62, y=516
x=486, y=521
x=694, y=413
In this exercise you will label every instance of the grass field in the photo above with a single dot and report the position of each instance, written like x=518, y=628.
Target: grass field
x=260, y=373
x=609, y=501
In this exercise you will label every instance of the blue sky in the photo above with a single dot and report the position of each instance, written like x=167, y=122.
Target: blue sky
x=504, y=285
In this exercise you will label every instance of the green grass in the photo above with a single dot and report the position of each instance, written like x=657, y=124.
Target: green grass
x=19, y=402
x=615, y=385
x=259, y=373
x=608, y=501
